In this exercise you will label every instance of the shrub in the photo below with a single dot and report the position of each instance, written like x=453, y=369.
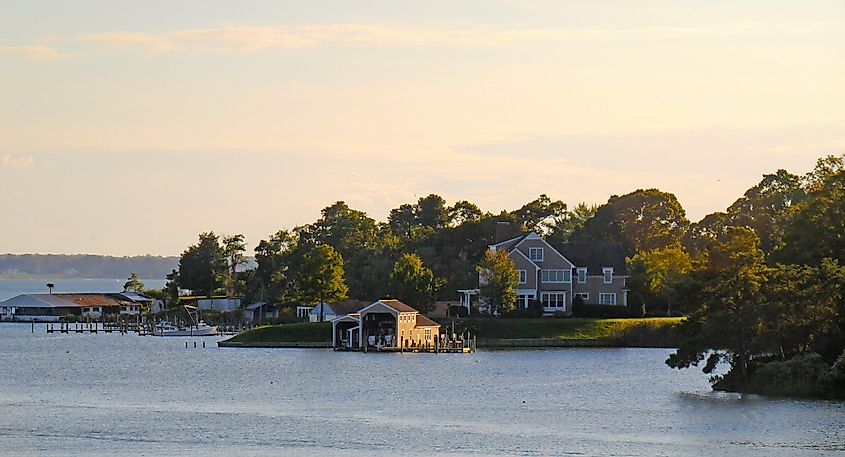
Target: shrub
x=803, y=375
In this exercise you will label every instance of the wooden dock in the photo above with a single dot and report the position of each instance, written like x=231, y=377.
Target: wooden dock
x=98, y=327
x=121, y=327
x=459, y=344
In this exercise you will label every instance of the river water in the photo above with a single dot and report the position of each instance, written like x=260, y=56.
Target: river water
x=63, y=395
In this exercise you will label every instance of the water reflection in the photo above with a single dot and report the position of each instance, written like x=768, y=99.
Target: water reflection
x=115, y=394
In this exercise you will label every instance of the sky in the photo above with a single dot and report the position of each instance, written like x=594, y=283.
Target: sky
x=129, y=128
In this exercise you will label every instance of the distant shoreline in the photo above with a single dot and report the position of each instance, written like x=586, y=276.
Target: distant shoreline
x=40, y=277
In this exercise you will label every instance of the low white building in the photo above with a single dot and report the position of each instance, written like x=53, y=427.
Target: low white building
x=218, y=304
x=52, y=307
x=331, y=311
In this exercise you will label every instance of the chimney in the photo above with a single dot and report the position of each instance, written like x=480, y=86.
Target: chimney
x=503, y=231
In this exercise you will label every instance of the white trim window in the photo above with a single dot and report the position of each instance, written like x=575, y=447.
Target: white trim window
x=553, y=299
x=582, y=275
x=582, y=295
x=535, y=254
x=607, y=272
x=607, y=299
x=523, y=276
x=556, y=276
x=523, y=299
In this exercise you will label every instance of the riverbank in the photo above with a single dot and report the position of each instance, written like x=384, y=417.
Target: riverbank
x=495, y=333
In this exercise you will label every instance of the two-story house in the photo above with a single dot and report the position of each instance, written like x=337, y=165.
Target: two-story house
x=555, y=275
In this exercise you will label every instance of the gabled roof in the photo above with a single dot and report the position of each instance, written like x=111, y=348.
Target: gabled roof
x=393, y=305
x=517, y=251
x=339, y=308
x=348, y=306
x=423, y=321
x=595, y=256
x=399, y=306
x=511, y=242
x=536, y=236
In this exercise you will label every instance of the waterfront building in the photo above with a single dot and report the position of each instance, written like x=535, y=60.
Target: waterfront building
x=555, y=275
x=53, y=307
x=384, y=325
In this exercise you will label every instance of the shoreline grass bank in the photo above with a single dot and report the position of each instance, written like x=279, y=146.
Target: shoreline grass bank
x=495, y=333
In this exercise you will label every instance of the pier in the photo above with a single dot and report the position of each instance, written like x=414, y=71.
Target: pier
x=123, y=328
x=456, y=344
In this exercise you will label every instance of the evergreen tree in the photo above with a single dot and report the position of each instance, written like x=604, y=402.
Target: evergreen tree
x=133, y=284
x=202, y=266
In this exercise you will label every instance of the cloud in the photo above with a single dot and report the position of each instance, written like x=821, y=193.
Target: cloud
x=35, y=52
x=8, y=160
x=256, y=39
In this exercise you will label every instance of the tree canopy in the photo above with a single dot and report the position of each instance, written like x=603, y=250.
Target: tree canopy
x=499, y=280
x=642, y=220
x=202, y=266
x=320, y=276
x=133, y=284
x=413, y=283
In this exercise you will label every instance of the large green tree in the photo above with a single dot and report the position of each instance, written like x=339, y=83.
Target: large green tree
x=413, y=283
x=359, y=240
x=462, y=212
x=813, y=229
x=727, y=324
x=272, y=272
x=656, y=276
x=761, y=207
x=202, y=266
x=498, y=281
x=542, y=215
x=642, y=220
x=572, y=223
x=320, y=276
x=233, y=251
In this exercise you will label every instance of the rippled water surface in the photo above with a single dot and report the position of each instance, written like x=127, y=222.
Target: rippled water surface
x=124, y=394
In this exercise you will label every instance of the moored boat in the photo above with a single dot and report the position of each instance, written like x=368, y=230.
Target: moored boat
x=166, y=328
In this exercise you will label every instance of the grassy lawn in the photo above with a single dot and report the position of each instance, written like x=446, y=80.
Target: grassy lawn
x=623, y=331
x=565, y=328
x=316, y=332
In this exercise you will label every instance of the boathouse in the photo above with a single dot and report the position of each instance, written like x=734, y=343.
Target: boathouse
x=384, y=325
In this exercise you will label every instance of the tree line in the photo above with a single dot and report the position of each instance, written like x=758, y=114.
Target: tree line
x=763, y=278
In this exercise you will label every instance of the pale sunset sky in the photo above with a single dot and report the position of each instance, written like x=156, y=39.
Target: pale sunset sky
x=129, y=127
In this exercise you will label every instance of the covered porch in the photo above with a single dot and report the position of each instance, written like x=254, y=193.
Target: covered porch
x=345, y=333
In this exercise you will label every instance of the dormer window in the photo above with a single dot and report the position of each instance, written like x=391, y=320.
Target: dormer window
x=608, y=274
x=582, y=275
x=535, y=254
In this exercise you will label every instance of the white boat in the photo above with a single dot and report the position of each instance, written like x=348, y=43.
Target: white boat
x=166, y=328
x=197, y=327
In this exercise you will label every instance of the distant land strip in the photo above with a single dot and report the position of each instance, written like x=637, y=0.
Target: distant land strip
x=84, y=266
